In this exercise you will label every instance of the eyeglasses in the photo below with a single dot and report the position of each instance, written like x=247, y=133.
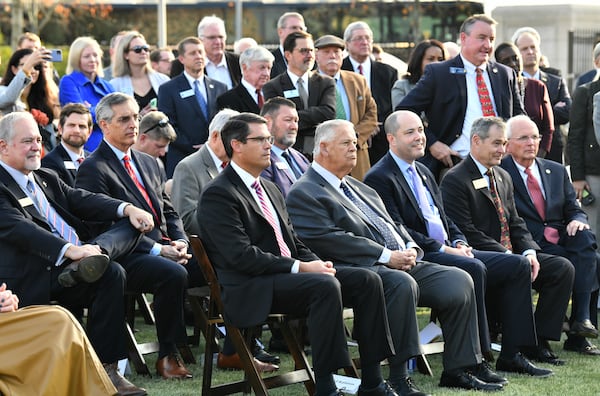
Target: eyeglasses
x=262, y=139
x=523, y=139
x=161, y=123
x=305, y=51
x=139, y=48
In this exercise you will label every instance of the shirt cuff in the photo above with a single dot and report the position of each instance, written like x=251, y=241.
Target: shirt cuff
x=155, y=251
x=442, y=249
x=385, y=257
x=121, y=209
x=295, y=267
x=530, y=252
x=61, y=255
x=412, y=245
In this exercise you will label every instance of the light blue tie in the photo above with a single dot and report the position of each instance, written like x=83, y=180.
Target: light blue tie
x=58, y=224
x=200, y=99
x=435, y=228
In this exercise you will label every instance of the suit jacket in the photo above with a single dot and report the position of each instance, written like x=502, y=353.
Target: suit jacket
x=539, y=109
x=279, y=65
x=323, y=221
x=238, y=99
x=442, y=94
x=233, y=66
x=363, y=114
x=29, y=248
x=103, y=172
x=183, y=110
x=561, y=202
x=280, y=173
x=471, y=207
x=582, y=146
x=56, y=159
x=558, y=92
x=191, y=175
x=586, y=77
x=389, y=182
x=229, y=213
x=321, y=102
x=596, y=115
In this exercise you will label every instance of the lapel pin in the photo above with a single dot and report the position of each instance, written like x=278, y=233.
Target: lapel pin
x=211, y=86
x=44, y=184
x=548, y=171
x=495, y=70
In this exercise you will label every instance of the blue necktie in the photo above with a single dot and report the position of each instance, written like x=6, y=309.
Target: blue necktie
x=380, y=225
x=58, y=224
x=290, y=161
x=435, y=228
x=200, y=99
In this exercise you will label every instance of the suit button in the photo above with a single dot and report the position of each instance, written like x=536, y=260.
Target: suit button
x=48, y=268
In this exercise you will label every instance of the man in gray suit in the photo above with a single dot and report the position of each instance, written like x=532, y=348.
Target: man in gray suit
x=345, y=221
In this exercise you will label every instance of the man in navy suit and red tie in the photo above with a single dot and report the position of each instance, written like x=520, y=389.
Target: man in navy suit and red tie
x=546, y=200
x=449, y=94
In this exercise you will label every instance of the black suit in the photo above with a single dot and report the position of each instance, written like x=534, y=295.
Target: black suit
x=30, y=251
x=468, y=202
x=57, y=160
x=233, y=67
x=508, y=273
x=103, y=172
x=383, y=78
x=238, y=99
x=557, y=92
x=242, y=246
x=321, y=103
x=279, y=65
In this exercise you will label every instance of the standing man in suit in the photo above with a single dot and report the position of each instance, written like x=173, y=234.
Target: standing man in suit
x=412, y=197
x=593, y=74
x=41, y=229
x=221, y=65
x=448, y=94
x=74, y=129
x=478, y=197
x=190, y=102
x=313, y=94
x=380, y=78
x=287, y=23
x=545, y=199
x=345, y=221
x=256, y=63
x=157, y=264
x=287, y=163
x=528, y=41
x=353, y=98
x=262, y=257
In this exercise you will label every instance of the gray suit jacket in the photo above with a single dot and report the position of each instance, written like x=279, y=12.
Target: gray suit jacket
x=191, y=175
x=333, y=228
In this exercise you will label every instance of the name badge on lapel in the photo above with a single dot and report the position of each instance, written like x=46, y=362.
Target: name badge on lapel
x=457, y=70
x=291, y=93
x=478, y=184
x=282, y=165
x=69, y=165
x=25, y=202
x=186, y=93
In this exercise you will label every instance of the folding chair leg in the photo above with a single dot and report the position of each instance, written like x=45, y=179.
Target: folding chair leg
x=245, y=354
x=135, y=355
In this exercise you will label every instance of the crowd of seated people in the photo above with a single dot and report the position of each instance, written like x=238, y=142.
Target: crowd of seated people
x=264, y=154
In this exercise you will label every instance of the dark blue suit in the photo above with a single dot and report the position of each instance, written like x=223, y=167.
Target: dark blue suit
x=280, y=173
x=56, y=159
x=509, y=274
x=442, y=94
x=177, y=100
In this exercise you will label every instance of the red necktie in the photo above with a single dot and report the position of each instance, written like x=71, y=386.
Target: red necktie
x=360, y=70
x=131, y=172
x=504, y=229
x=80, y=160
x=550, y=233
x=224, y=164
x=272, y=219
x=261, y=100
x=484, y=95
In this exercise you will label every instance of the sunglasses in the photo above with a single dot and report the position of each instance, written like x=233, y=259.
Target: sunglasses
x=139, y=48
x=162, y=123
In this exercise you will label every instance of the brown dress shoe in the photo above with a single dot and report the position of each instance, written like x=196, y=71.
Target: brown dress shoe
x=124, y=387
x=233, y=362
x=171, y=366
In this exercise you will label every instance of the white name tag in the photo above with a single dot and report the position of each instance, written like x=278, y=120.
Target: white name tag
x=24, y=202
x=291, y=93
x=478, y=184
x=69, y=165
x=186, y=94
x=282, y=165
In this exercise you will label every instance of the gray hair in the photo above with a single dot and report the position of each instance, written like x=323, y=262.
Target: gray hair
x=256, y=54
x=512, y=120
x=283, y=19
x=391, y=124
x=526, y=29
x=220, y=119
x=470, y=21
x=7, y=124
x=481, y=126
x=355, y=26
x=326, y=131
x=208, y=21
x=104, y=111
x=244, y=42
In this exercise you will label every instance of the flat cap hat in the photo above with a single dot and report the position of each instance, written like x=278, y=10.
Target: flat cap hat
x=329, y=41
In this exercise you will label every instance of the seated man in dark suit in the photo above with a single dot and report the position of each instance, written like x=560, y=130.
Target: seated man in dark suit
x=74, y=128
x=255, y=251
x=157, y=264
x=344, y=220
x=42, y=224
x=287, y=163
x=478, y=197
x=312, y=93
x=412, y=197
x=247, y=96
x=545, y=199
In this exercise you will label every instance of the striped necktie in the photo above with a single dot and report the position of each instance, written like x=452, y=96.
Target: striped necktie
x=504, y=228
x=272, y=219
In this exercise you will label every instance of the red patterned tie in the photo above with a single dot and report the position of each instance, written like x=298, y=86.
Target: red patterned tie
x=504, y=229
x=535, y=191
x=131, y=172
x=272, y=219
x=261, y=99
x=484, y=95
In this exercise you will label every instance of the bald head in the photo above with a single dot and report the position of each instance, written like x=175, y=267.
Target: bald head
x=523, y=139
x=405, y=135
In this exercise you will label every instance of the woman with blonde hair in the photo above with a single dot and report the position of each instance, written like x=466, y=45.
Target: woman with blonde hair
x=84, y=83
x=133, y=72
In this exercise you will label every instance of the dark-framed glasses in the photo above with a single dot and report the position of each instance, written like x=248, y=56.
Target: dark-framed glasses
x=161, y=123
x=139, y=48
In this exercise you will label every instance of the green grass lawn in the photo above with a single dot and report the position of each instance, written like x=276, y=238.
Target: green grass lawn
x=580, y=375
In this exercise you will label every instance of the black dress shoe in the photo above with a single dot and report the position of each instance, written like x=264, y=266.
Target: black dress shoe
x=467, y=381
x=520, y=364
x=88, y=269
x=542, y=354
x=383, y=389
x=581, y=345
x=265, y=356
x=406, y=387
x=583, y=329
x=484, y=372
